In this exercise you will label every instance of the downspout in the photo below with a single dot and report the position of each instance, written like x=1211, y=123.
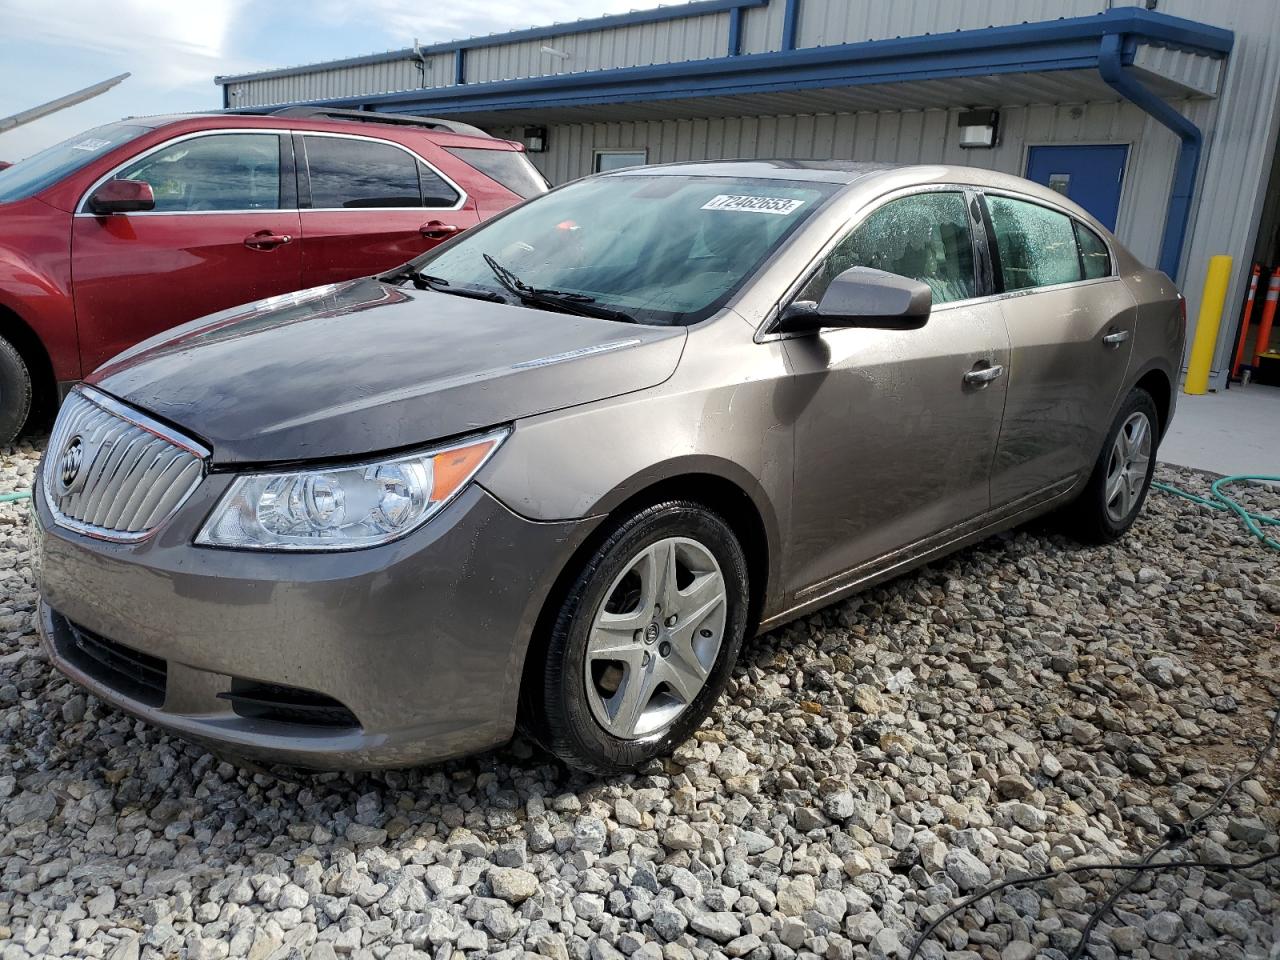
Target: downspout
x=1111, y=67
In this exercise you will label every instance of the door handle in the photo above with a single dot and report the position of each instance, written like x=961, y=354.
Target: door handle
x=266, y=240
x=984, y=375
x=438, y=229
x=1115, y=339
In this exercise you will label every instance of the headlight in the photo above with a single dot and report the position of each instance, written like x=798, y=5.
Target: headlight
x=344, y=507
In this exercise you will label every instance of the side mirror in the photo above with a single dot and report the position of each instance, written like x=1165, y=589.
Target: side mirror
x=122, y=196
x=862, y=297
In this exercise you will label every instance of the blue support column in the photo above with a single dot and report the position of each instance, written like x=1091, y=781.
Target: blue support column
x=735, y=32
x=460, y=66
x=1111, y=67
x=790, y=24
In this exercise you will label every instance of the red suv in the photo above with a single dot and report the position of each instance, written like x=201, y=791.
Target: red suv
x=137, y=226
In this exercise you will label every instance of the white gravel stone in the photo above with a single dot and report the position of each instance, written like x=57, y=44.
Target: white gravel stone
x=1023, y=704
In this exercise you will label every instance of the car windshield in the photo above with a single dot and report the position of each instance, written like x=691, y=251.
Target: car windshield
x=660, y=248
x=28, y=177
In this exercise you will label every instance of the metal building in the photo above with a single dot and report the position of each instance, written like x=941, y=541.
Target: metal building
x=1163, y=122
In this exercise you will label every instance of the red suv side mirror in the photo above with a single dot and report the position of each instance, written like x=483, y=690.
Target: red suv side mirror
x=122, y=196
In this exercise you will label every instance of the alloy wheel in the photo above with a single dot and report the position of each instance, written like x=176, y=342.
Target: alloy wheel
x=655, y=638
x=1127, y=466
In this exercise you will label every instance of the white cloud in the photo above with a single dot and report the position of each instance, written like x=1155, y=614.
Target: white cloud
x=402, y=20
x=179, y=43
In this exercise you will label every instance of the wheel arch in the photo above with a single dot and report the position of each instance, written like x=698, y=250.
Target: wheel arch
x=1156, y=382
x=34, y=353
x=754, y=527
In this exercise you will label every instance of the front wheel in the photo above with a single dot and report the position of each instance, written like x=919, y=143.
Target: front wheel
x=15, y=392
x=644, y=641
x=1121, y=477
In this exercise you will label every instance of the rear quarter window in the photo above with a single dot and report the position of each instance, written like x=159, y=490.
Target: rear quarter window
x=1093, y=253
x=510, y=168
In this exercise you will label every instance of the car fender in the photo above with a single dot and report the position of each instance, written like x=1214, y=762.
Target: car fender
x=35, y=281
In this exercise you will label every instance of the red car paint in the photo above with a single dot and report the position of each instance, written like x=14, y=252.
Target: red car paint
x=78, y=288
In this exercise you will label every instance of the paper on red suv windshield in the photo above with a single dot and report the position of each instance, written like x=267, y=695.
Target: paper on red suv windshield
x=778, y=206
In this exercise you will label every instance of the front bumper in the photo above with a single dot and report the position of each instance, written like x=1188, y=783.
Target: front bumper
x=420, y=642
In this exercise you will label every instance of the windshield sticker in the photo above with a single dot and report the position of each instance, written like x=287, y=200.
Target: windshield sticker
x=91, y=145
x=778, y=206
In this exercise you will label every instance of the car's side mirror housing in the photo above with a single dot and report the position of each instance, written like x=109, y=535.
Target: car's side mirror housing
x=122, y=196
x=862, y=297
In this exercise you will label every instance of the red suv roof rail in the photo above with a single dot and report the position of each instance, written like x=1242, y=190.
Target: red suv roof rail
x=369, y=116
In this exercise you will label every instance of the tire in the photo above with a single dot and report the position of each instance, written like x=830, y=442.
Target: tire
x=1107, y=507
x=15, y=392
x=620, y=684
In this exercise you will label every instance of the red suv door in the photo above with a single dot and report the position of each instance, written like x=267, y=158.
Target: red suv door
x=368, y=205
x=224, y=231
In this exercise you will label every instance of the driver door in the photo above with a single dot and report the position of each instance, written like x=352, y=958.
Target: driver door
x=895, y=441
x=224, y=232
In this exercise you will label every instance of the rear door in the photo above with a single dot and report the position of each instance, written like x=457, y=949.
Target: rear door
x=369, y=205
x=223, y=232
x=1070, y=322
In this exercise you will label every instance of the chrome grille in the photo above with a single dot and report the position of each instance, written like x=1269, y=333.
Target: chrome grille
x=113, y=473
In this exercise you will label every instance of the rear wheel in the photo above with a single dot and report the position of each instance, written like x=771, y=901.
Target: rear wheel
x=644, y=641
x=1121, y=477
x=15, y=392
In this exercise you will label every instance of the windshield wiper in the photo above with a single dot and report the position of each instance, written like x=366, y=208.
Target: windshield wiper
x=424, y=281
x=579, y=304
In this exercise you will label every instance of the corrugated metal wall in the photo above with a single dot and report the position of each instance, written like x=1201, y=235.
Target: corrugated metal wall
x=697, y=38
x=822, y=22
x=928, y=136
x=825, y=22
x=1237, y=163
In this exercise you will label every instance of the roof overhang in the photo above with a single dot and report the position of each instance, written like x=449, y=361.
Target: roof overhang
x=1044, y=62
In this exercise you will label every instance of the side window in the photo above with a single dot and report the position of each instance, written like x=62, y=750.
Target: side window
x=360, y=174
x=435, y=192
x=231, y=171
x=1093, y=253
x=924, y=237
x=1036, y=245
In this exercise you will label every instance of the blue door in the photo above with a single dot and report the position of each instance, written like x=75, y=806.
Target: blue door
x=1089, y=175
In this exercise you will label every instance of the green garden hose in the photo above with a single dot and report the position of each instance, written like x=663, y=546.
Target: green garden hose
x=11, y=497
x=1254, y=522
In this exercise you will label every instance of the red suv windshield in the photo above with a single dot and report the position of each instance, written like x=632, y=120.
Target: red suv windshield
x=28, y=177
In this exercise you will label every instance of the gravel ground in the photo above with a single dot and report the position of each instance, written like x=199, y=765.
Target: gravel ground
x=1021, y=706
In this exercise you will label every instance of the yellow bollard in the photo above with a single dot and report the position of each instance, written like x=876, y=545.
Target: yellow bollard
x=1212, y=300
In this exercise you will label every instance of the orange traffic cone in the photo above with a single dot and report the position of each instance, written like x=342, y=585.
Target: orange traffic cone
x=1244, y=320
x=1268, y=317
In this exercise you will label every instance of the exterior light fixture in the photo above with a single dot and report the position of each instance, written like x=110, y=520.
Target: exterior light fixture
x=554, y=52
x=978, y=128
x=535, y=139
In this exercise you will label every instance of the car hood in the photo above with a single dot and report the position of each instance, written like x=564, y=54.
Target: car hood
x=365, y=366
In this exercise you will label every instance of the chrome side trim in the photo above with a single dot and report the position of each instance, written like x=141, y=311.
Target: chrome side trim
x=82, y=211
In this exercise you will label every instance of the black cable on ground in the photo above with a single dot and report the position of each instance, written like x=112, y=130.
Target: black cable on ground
x=1177, y=834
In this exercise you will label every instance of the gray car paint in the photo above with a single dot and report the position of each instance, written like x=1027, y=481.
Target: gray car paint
x=862, y=451
x=377, y=368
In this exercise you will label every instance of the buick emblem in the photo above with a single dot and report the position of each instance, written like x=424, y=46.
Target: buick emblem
x=69, y=465
x=651, y=634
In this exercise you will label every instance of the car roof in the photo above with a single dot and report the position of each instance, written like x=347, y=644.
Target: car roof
x=370, y=124
x=849, y=172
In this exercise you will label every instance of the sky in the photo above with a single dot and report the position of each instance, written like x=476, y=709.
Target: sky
x=174, y=48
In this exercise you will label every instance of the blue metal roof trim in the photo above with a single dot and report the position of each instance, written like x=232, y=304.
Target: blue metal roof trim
x=1066, y=44
x=697, y=8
